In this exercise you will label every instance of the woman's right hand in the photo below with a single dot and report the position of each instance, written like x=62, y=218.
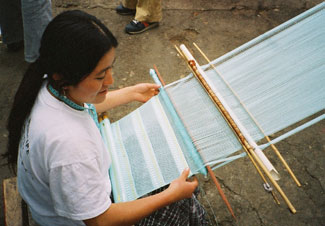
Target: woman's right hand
x=182, y=187
x=128, y=213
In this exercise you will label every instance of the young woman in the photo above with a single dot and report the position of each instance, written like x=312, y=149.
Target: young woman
x=62, y=162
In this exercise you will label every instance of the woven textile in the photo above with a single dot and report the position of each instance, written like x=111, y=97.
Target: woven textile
x=279, y=76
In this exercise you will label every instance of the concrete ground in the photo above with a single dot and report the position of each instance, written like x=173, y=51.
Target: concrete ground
x=217, y=27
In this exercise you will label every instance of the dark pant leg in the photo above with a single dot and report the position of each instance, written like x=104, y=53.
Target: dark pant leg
x=11, y=21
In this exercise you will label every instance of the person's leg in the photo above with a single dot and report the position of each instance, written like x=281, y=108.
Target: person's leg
x=127, y=7
x=36, y=16
x=130, y=4
x=11, y=24
x=148, y=14
x=148, y=11
x=198, y=215
x=184, y=212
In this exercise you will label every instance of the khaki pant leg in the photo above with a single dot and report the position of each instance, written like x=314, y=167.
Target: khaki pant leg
x=148, y=11
x=130, y=4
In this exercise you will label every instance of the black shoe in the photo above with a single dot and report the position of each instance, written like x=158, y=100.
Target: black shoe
x=136, y=27
x=124, y=11
x=16, y=46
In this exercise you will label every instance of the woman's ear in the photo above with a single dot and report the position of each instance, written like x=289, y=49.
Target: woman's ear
x=59, y=83
x=56, y=77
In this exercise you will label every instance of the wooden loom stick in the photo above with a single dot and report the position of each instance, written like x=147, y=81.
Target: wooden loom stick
x=214, y=178
x=266, y=185
x=248, y=148
x=253, y=118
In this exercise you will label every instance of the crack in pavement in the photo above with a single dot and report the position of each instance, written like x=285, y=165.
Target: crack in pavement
x=315, y=178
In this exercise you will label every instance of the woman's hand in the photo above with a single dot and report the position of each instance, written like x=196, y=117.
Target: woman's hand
x=144, y=91
x=182, y=187
x=128, y=213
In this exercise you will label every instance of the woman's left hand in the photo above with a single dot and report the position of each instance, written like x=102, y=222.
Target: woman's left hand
x=144, y=91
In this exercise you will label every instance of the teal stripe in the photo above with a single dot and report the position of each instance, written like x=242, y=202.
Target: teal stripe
x=112, y=173
x=190, y=148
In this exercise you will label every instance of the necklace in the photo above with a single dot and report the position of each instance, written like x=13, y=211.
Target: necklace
x=67, y=101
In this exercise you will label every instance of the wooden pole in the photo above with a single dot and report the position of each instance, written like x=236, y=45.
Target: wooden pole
x=266, y=184
x=253, y=118
x=236, y=130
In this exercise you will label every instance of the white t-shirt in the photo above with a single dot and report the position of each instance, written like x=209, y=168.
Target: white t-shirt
x=62, y=164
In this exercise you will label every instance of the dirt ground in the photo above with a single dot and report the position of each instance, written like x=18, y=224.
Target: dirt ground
x=217, y=27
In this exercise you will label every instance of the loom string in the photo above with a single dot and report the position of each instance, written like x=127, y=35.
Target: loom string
x=229, y=160
x=229, y=114
x=286, y=55
x=245, y=139
x=254, y=163
x=275, y=149
x=250, y=151
x=266, y=184
x=214, y=178
x=270, y=33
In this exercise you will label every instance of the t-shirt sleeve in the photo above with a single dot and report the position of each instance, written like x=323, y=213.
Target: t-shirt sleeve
x=79, y=190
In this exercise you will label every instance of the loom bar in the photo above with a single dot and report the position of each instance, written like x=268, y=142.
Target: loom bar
x=186, y=138
x=214, y=178
x=246, y=145
x=252, y=117
x=243, y=130
x=294, y=131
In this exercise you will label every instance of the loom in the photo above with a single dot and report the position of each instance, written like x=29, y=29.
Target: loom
x=278, y=79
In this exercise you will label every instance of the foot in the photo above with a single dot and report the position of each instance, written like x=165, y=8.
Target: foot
x=124, y=11
x=136, y=27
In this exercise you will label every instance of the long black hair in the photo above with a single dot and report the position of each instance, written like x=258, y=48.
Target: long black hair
x=71, y=46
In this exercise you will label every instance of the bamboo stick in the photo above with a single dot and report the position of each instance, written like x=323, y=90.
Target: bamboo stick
x=253, y=118
x=266, y=184
x=237, y=131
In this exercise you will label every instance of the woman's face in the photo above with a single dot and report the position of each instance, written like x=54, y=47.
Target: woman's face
x=94, y=87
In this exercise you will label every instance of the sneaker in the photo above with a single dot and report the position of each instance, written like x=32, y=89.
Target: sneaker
x=124, y=11
x=136, y=27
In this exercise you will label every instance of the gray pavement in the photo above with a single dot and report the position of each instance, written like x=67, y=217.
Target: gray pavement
x=217, y=27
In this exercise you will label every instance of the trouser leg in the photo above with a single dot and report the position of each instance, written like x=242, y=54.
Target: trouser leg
x=11, y=23
x=36, y=16
x=148, y=11
x=130, y=4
